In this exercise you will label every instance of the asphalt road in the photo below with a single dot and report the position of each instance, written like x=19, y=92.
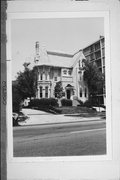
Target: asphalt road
x=66, y=139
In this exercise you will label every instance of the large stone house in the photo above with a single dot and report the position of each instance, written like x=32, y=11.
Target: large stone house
x=52, y=67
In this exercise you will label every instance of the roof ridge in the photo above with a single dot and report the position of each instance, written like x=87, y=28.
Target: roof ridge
x=59, y=54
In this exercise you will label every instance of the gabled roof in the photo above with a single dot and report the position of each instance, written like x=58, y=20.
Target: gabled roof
x=58, y=59
x=69, y=85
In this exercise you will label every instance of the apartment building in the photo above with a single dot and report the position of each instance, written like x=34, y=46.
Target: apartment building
x=95, y=52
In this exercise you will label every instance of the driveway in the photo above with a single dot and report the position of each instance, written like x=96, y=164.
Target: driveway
x=41, y=117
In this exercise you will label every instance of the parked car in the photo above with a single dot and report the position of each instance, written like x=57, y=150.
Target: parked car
x=99, y=109
x=18, y=117
x=15, y=119
x=22, y=117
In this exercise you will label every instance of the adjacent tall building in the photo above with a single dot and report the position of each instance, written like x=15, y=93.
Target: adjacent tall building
x=95, y=52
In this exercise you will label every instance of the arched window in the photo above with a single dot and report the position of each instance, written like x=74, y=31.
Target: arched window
x=80, y=75
x=46, y=91
x=69, y=72
x=85, y=92
x=41, y=91
x=80, y=92
x=45, y=76
x=55, y=78
x=41, y=76
x=64, y=71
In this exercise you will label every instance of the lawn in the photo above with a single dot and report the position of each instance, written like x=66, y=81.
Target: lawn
x=75, y=110
x=80, y=111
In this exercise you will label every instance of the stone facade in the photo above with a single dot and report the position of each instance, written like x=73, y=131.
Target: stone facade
x=52, y=67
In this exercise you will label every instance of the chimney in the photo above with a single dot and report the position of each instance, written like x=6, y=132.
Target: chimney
x=37, y=48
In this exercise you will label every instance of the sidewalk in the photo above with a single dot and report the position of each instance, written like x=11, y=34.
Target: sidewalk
x=40, y=117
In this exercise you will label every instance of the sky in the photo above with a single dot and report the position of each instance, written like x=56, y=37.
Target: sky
x=65, y=35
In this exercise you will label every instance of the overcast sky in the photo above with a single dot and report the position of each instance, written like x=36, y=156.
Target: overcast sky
x=66, y=35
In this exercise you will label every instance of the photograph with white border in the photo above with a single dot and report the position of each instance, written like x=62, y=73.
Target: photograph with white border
x=25, y=142
x=60, y=104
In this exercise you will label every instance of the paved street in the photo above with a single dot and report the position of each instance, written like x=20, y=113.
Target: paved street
x=62, y=139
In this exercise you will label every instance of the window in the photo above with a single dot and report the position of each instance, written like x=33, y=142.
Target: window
x=103, y=61
x=92, y=56
x=65, y=71
x=45, y=76
x=55, y=95
x=80, y=76
x=103, y=52
x=102, y=42
x=85, y=92
x=88, y=58
x=41, y=88
x=69, y=72
x=55, y=78
x=46, y=91
x=98, y=55
x=92, y=48
x=104, y=70
x=80, y=92
x=97, y=46
x=100, y=69
x=98, y=62
x=41, y=76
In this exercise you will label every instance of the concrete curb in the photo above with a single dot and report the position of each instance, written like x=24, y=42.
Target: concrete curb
x=69, y=122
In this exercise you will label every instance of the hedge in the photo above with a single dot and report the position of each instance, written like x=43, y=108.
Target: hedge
x=87, y=104
x=66, y=102
x=44, y=102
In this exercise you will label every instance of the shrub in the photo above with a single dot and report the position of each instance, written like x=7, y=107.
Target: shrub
x=90, y=103
x=55, y=110
x=66, y=102
x=44, y=102
x=102, y=105
x=34, y=103
x=53, y=102
x=87, y=104
x=16, y=99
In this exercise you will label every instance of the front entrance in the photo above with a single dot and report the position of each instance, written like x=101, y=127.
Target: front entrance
x=68, y=93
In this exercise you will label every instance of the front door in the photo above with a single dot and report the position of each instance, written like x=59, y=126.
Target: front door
x=68, y=94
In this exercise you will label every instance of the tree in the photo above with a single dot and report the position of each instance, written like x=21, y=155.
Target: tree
x=94, y=79
x=26, y=82
x=58, y=91
x=16, y=98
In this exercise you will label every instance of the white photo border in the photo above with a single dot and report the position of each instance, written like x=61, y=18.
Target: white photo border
x=90, y=14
